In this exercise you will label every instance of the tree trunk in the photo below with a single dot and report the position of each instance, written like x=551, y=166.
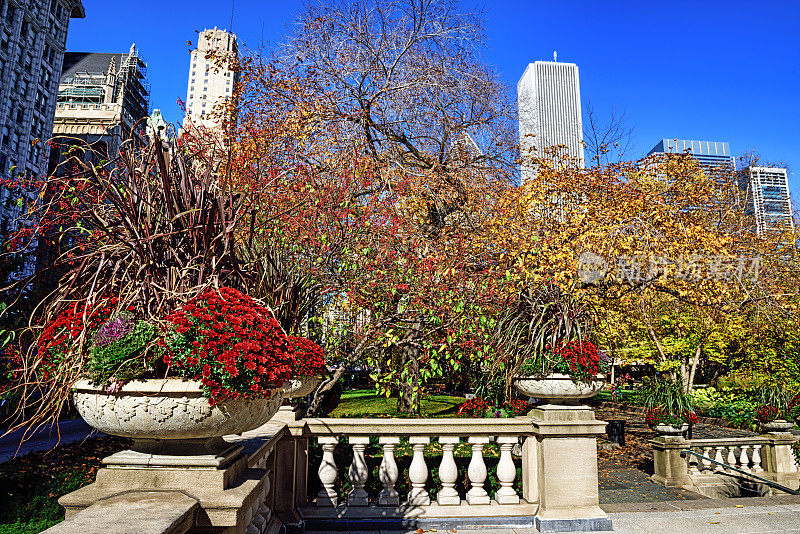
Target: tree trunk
x=696, y=360
x=409, y=400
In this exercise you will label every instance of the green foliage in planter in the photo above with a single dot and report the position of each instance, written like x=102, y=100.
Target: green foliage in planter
x=669, y=395
x=31, y=527
x=119, y=350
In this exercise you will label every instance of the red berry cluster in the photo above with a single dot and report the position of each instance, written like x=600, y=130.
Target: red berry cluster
x=475, y=407
x=230, y=343
x=60, y=334
x=582, y=357
x=766, y=413
x=307, y=357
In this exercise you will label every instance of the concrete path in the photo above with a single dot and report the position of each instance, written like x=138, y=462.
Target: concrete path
x=45, y=438
x=757, y=515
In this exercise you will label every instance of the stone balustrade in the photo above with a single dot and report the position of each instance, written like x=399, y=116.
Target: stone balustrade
x=769, y=456
x=448, y=433
x=259, y=481
x=742, y=453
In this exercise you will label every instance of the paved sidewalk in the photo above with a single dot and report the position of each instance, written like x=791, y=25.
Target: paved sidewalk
x=45, y=438
x=757, y=515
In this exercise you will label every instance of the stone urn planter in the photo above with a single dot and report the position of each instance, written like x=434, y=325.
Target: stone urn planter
x=558, y=388
x=170, y=416
x=301, y=387
x=778, y=425
x=671, y=430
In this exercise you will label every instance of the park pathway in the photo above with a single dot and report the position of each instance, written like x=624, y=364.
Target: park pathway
x=45, y=438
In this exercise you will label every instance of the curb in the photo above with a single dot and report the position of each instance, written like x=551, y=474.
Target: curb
x=699, y=504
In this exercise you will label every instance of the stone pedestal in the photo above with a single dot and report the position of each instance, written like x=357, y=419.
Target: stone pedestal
x=779, y=460
x=566, y=458
x=228, y=492
x=669, y=467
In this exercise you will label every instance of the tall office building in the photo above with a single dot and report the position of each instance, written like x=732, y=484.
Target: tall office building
x=549, y=100
x=768, y=198
x=212, y=78
x=101, y=99
x=33, y=34
x=709, y=154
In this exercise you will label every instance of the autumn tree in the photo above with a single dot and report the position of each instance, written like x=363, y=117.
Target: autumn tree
x=677, y=255
x=387, y=140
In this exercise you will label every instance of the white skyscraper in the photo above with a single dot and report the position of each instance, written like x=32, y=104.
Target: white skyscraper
x=211, y=81
x=549, y=100
x=768, y=198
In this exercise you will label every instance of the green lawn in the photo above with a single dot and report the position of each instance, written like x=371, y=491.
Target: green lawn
x=365, y=403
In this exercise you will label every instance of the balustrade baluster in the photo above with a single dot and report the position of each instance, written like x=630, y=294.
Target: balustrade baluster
x=358, y=472
x=448, y=472
x=694, y=462
x=757, y=459
x=477, y=472
x=744, y=460
x=261, y=515
x=387, y=473
x=718, y=457
x=506, y=472
x=418, y=473
x=731, y=456
x=706, y=461
x=327, y=472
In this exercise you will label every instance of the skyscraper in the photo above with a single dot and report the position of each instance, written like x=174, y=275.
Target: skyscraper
x=212, y=77
x=768, y=198
x=549, y=100
x=709, y=154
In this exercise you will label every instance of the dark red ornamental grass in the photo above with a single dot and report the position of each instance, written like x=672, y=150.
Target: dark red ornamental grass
x=307, y=357
x=229, y=342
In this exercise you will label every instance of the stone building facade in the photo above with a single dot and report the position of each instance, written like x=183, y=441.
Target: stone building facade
x=33, y=36
x=102, y=98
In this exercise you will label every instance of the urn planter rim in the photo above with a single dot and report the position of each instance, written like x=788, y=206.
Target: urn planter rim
x=145, y=386
x=599, y=377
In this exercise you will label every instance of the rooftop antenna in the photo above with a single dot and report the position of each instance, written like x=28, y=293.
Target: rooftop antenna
x=555, y=56
x=230, y=28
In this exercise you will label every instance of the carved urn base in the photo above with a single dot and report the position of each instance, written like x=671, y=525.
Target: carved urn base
x=171, y=416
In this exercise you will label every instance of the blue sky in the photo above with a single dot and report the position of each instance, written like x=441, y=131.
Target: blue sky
x=708, y=70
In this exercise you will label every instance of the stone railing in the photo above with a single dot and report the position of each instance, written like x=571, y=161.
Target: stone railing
x=769, y=456
x=741, y=453
x=477, y=433
x=555, y=449
x=260, y=482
